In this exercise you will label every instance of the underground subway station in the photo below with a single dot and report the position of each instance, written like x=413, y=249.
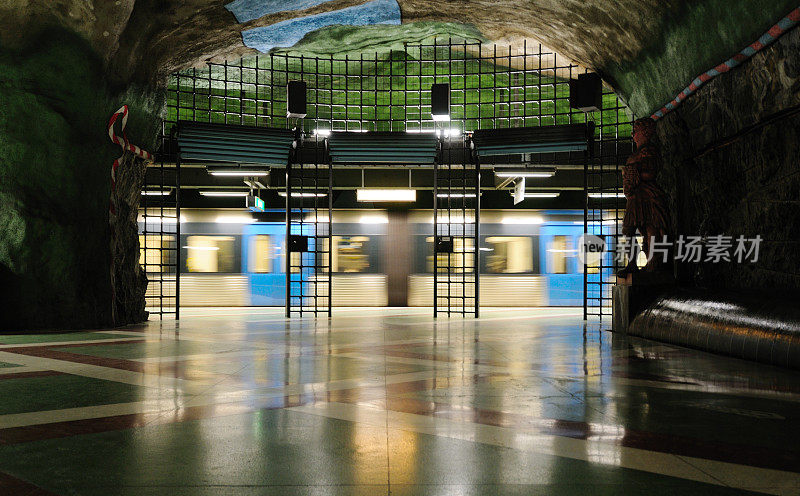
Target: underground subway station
x=399, y=247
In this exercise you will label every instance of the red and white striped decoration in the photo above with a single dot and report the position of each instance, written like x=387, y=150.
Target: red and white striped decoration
x=790, y=21
x=126, y=146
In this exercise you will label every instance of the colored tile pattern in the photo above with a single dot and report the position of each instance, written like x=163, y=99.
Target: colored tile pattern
x=387, y=401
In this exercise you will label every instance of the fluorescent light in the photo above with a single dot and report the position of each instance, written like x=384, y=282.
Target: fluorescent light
x=455, y=195
x=203, y=248
x=606, y=195
x=522, y=220
x=298, y=194
x=441, y=117
x=322, y=132
x=526, y=172
x=483, y=248
x=156, y=193
x=448, y=132
x=237, y=172
x=373, y=219
x=542, y=195
x=224, y=193
x=386, y=195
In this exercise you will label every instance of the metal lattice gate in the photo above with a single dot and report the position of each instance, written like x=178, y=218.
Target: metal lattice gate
x=604, y=210
x=456, y=229
x=309, y=205
x=160, y=233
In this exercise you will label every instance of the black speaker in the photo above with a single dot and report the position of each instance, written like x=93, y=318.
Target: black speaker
x=440, y=102
x=586, y=92
x=444, y=244
x=298, y=243
x=296, y=99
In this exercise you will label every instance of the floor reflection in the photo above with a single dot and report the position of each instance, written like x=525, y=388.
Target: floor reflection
x=237, y=401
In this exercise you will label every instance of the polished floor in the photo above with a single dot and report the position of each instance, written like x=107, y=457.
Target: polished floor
x=388, y=401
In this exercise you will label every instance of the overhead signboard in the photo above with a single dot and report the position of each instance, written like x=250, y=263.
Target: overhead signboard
x=519, y=191
x=255, y=203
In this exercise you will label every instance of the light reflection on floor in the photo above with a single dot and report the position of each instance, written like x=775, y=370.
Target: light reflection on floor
x=379, y=401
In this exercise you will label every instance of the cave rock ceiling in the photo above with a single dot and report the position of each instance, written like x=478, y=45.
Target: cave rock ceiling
x=645, y=48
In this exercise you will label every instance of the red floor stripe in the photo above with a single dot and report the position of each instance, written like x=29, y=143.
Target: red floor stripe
x=26, y=375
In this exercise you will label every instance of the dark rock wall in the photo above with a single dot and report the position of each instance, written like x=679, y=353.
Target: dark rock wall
x=130, y=281
x=732, y=166
x=55, y=161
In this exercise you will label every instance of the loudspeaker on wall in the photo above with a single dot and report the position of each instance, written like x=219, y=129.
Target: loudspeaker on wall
x=296, y=99
x=586, y=92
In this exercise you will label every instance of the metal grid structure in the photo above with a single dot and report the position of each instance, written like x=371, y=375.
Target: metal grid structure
x=605, y=206
x=456, y=226
x=160, y=233
x=309, y=240
x=491, y=87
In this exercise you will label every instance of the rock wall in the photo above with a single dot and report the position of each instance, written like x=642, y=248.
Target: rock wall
x=732, y=166
x=55, y=160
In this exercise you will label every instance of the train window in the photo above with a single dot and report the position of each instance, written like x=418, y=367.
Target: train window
x=260, y=254
x=296, y=258
x=210, y=253
x=156, y=252
x=509, y=254
x=461, y=260
x=558, y=250
x=350, y=253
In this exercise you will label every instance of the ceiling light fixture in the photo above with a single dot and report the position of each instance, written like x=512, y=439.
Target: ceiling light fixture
x=455, y=195
x=525, y=172
x=303, y=194
x=223, y=193
x=448, y=133
x=542, y=195
x=606, y=196
x=230, y=171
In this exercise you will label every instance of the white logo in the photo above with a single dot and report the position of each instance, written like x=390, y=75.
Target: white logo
x=591, y=249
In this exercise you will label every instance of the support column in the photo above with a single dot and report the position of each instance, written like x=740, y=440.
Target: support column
x=398, y=257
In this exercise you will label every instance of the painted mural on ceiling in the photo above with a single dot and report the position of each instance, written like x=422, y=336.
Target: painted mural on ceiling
x=247, y=10
x=287, y=33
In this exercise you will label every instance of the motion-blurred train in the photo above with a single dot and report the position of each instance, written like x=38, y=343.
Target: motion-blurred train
x=527, y=258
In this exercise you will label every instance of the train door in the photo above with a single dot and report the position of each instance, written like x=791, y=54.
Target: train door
x=263, y=252
x=559, y=263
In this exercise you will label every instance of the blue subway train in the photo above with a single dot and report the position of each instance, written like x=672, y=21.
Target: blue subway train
x=526, y=258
